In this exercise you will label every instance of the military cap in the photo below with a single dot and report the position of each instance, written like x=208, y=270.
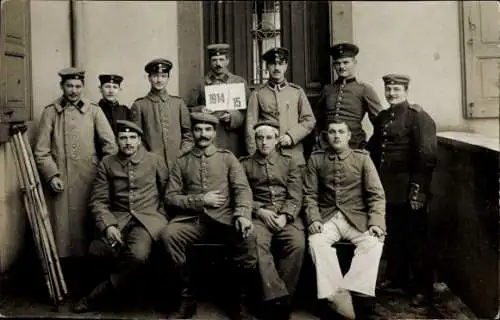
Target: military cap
x=344, y=50
x=217, y=49
x=203, y=117
x=128, y=126
x=396, y=79
x=268, y=123
x=110, y=78
x=158, y=65
x=72, y=73
x=276, y=55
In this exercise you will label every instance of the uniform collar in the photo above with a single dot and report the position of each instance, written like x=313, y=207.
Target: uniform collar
x=345, y=80
x=399, y=107
x=211, y=77
x=81, y=105
x=261, y=159
x=209, y=151
x=277, y=86
x=104, y=102
x=339, y=156
x=134, y=159
x=158, y=96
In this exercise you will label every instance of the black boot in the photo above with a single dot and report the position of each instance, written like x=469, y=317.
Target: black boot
x=364, y=306
x=188, y=306
x=87, y=303
x=238, y=310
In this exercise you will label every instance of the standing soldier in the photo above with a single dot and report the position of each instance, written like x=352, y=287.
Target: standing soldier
x=284, y=102
x=209, y=188
x=110, y=87
x=403, y=148
x=163, y=118
x=127, y=204
x=72, y=132
x=276, y=184
x=229, y=131
x=347, y=99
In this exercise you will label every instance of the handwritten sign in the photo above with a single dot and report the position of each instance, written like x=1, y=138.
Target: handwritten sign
x=220, y=97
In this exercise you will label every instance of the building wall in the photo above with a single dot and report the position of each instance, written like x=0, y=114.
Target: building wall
x=420, y=39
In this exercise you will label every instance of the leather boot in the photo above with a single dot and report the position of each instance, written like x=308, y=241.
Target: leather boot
x=188, y=306
x=87, y=303
x=239, y=308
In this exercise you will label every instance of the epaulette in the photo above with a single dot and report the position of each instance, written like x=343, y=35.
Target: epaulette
x=318, y=151
x=361, y=151
x=293, y=85
x=50, y=105
x=223, y=150
x=175, y=97
x=262, y=86
x=184, y=153
x=415, y=107
x=240, y=159
x=140, y=98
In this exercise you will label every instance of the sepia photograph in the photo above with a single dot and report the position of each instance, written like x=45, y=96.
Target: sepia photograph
x=258, y=159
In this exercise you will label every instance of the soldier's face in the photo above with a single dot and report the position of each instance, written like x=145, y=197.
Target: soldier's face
x=204, y=134
x=128, y=142
x=219, y=64
x=277, y=70
x=344, y=67
x=72, y=89
x=266, y=139
x=338, y=136
x=395, y=93
x=109, y=91
x=158, y=80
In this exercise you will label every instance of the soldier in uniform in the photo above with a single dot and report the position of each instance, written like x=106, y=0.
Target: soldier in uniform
x=128, y=207
x=283, y=102
x=276, y=184
x=163, y=118
x=230, y=130
x=73, y=132
x=344, y=199
x=347, y=99
x=403, y=148
x=110, y=87
x=208, y=187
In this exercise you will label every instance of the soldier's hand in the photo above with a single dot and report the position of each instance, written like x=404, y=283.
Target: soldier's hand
x=315, y=227
x=113, y=235
x=225, y=117
x=376, y=231
x=281, y=221
x=213, y=199
x=416, y=205
x=270, y=218
x=206, y=110
x=285, y=140
x=56, y=184
x=244, y=226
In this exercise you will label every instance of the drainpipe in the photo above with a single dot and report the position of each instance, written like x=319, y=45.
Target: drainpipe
x=72, y=31
x=76, y=34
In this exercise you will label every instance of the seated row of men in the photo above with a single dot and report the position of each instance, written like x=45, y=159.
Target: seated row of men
x=250, y=206
x=74, y=134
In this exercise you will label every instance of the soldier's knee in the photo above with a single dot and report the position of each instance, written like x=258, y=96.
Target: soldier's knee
x=140, y=252
x=297, y=245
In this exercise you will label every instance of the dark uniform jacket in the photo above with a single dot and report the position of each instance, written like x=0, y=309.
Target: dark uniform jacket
x=229, y=135
x=130, y=188
x=199, y=171
x=287, y=104
x=115, y=111
x=348, y=100
x=276, y=184
x=403, y=148
x=166, y=124
x=347, y=182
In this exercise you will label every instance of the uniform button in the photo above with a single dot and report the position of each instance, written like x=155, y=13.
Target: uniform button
x=383, y=145
x=340, y=98
x=384, y=133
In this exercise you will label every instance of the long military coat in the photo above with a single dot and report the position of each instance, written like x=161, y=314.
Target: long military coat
x=67, y=144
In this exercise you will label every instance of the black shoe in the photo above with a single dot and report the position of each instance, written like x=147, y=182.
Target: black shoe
x=187, y=309
x=420, y=301
x=90, y=301
x=240, y=312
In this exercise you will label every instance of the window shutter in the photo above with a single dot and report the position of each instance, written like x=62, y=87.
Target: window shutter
x=481, y=46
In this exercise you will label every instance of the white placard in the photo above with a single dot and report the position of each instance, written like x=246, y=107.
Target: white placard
x=220, y=97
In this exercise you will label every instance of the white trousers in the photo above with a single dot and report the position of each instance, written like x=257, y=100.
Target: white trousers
x=362, y=275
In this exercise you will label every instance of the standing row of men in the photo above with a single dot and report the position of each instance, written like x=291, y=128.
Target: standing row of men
x=189, y=166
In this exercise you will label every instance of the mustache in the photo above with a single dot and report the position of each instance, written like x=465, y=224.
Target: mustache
x=203, y=139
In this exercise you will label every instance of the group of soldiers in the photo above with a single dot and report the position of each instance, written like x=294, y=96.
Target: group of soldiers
x=167, y=171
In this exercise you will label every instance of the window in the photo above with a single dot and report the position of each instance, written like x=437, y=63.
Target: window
x=253, y=27
x=481, y=58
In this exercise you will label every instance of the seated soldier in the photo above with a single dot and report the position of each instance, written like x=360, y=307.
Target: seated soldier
x=276, y=184
x=211, y=190
x=126, y=202
x=344, y=199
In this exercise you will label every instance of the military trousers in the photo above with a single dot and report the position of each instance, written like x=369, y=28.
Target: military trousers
x=133, y=254
x=362, y=275
x=179, y=236
x=280, y=272
x=407, y=249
